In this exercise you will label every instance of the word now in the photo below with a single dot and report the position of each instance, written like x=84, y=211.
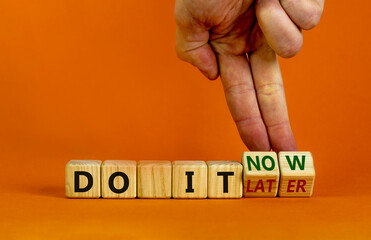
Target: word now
x=260, y=174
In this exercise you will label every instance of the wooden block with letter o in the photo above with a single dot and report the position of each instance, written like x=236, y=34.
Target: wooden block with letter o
x=261, y=174
x=154, y=179
x=189, y=179
x=224, y=179
x=119, y=179
x=83, y=178
x=297, y=174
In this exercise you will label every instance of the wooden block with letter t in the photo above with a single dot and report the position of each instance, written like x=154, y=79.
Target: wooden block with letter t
x=119, y=179
x=297, y=174
x=224, y=179
x=83, y=179
x=154, y=179
x=261, y=174
x=189, y=179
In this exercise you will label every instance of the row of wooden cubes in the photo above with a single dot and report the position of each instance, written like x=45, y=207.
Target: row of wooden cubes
x=261, y=174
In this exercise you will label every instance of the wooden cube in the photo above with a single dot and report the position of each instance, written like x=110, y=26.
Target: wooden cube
x=154, y=179
x=119, y=179
x=83, y=179
x=224, y=179
x=189, y=179
x=260, y=174
x=297, y=174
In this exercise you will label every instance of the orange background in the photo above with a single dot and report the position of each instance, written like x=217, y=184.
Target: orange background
x=100, y=80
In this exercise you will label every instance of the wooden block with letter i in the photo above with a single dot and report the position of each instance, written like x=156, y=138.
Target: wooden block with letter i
x=297, y=174
x=119, y=179
x=261, y=174
x=83, y=179
x=189, y=179
x=154, y=179
x=224, y=179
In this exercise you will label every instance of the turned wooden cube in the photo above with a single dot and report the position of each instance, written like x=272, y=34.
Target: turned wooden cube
x=154, y=179
x=261, y=174
x=297, y=174
x=224, y=179
x=119, y=179
x=189, y=179
x=83, y=179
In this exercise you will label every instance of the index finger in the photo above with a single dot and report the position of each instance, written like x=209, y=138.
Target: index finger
x=241, y=99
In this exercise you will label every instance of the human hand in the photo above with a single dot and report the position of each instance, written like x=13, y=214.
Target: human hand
x=216, y=35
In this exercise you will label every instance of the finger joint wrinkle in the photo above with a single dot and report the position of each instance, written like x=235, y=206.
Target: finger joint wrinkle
x=269, y=89
x=239, y=88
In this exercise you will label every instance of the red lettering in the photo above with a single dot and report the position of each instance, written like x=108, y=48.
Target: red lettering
x=290, y=185
x=270, y=181
x=259, y=186
x=301, y=184
x=248, y=187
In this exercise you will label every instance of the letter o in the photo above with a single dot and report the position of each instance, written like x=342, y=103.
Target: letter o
x=112, y=178
x=265, y=166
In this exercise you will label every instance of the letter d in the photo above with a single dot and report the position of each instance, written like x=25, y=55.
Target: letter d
x=77, y=181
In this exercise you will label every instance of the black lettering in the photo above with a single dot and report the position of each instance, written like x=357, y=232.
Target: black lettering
x=77, y=181
x=189, y=182
x=225, y=179
x=112, y=178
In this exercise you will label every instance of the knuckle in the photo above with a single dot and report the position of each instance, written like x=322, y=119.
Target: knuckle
x=311, y=19
x=291, y=48
x=306, y=13
x=289, y=5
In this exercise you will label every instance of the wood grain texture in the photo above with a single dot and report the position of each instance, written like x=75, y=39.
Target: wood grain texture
x=197, y=172
x=260, y=174
x=216, y=187
x=93, y=167
x=123, y=188
x=297, y=174
x=154, y=179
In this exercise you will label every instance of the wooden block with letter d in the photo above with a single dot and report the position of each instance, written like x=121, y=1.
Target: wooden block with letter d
x=154, y=179
x=224, y=179
x=297, y=174
x=83, y=179
x=189, y=179
x=119, y=179
x=261, y=174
